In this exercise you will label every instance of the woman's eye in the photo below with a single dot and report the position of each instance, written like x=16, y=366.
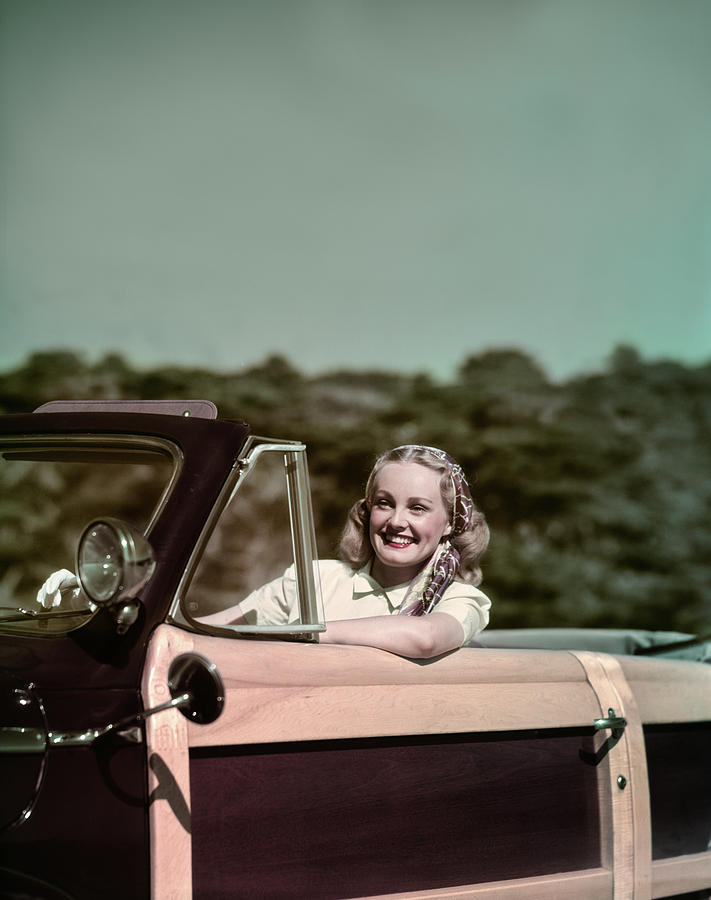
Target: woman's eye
x=419, y=509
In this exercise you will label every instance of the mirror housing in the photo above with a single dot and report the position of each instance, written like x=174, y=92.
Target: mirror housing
x=193, y=677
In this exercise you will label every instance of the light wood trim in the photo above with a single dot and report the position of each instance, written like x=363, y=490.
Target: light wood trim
x=681, y=874
x=631, y=822
x=637, y=789
x=291, y=692
x=669, y=690
x=167, y=737
x=263, y=715
x=590, y=884
x=252, y=662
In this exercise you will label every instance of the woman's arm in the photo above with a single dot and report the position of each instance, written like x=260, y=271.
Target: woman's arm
x=417, y=637
x=270, y=604
x=230, y=616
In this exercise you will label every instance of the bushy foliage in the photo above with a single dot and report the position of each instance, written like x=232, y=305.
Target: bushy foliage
x=597, y=489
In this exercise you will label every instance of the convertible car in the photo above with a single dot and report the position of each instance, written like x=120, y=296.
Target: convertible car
x=145, y=754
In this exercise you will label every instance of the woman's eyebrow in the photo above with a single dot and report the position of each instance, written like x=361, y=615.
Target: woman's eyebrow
x=381, y=493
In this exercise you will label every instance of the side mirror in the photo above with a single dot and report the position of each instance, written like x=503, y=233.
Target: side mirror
x=198, y=683
x=196, y=689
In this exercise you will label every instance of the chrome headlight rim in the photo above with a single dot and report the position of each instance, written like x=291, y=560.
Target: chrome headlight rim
x=113, y=561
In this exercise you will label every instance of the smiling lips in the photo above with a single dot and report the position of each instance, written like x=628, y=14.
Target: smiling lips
x=398, y=541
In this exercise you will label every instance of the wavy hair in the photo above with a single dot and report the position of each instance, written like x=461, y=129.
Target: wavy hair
x=354, y=547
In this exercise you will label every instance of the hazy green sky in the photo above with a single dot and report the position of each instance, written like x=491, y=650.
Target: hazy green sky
x=392, y=184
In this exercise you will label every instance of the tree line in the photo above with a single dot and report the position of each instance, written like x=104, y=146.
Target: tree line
x=597, y=489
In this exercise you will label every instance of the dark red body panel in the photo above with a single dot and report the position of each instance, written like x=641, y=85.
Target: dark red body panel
x=87, y=834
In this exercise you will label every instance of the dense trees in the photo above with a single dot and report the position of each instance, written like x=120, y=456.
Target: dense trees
x=597, y=489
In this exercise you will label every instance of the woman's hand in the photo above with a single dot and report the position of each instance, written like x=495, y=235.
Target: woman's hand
x=50, y=594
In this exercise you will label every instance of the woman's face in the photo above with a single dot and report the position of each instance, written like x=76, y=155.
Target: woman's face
x=408, y=519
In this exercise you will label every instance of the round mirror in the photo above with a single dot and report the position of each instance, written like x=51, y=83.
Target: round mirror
x=193, y=674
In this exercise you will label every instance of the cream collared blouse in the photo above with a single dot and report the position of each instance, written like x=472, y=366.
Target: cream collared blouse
x=355, y=594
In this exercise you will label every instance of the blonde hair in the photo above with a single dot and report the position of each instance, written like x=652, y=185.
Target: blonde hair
x=354, y=546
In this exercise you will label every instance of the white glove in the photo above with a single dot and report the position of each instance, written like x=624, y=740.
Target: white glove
x=50, y=594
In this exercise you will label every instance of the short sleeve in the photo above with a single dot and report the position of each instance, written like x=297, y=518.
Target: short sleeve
x=273, y=603
x=468, y=605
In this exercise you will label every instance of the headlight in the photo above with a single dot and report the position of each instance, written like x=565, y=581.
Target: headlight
x=113, y=561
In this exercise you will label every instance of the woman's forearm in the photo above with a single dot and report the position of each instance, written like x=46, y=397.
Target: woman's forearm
x=230, y=616
x=417, y=637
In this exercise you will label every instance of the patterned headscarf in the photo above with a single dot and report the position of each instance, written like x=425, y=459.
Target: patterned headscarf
x=428, y=586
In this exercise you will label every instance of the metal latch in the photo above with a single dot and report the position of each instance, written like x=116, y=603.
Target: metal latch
x=615, y=723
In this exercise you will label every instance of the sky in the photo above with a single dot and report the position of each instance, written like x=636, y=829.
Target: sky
x=388, y=184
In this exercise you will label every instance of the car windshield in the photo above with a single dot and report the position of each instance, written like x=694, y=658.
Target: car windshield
x=49, y=491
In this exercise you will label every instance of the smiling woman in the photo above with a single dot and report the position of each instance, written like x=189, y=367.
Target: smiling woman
x=408, y=520
x=409, y=569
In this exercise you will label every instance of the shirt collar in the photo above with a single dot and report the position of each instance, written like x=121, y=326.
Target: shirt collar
x=364, y=583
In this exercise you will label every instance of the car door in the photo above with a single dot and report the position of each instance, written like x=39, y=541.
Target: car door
x=351, y=772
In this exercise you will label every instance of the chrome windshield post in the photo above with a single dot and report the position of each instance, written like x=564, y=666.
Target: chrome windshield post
x=303, y=536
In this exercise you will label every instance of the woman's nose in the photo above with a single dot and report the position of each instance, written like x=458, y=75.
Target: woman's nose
x=398, y=519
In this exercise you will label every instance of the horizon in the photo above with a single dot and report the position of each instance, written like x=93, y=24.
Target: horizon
x=92, y=360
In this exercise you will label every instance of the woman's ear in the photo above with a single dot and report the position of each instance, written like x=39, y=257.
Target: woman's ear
x=447, y=531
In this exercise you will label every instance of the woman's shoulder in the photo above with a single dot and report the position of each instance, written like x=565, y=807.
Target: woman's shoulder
x=333, y=568
x=465, y=591
x=325, y=567
x=468, y=605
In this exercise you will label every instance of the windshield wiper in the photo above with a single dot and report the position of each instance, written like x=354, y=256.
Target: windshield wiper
x=19, y=613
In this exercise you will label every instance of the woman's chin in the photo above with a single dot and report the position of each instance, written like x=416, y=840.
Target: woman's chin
x=390, y=568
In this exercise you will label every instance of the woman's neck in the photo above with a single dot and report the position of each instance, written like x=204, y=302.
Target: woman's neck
x=390, y=576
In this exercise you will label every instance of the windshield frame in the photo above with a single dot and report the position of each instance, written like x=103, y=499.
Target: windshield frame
x=36, y=447
x=303, y=546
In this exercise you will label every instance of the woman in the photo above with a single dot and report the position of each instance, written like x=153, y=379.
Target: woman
x=408, y=569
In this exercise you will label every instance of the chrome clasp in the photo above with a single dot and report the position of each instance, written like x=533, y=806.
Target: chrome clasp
x=615, y=723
